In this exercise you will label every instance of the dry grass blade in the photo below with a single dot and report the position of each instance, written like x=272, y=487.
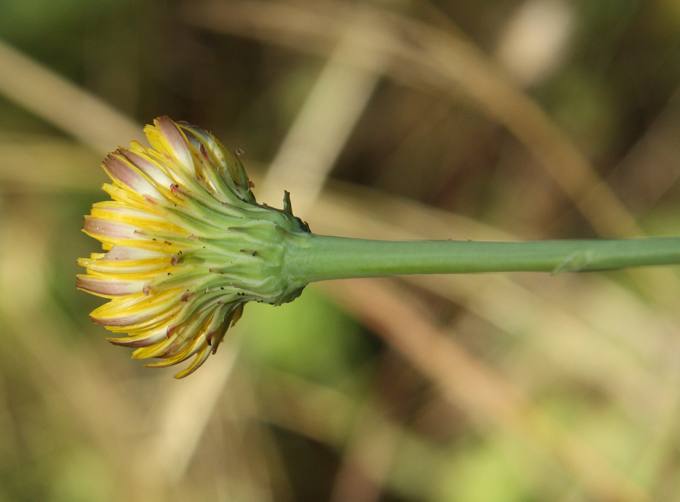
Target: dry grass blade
x=297, y=405
x=322, y=127
x=62, y=103
x=486, y=396
x=429, y=57
x=38, y=163
x=650, y=169
x=87, y=396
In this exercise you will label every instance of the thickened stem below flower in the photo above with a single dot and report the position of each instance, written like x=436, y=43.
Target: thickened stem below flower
x=312, y=257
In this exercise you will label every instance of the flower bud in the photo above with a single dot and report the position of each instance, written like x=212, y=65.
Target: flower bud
x=185, y=246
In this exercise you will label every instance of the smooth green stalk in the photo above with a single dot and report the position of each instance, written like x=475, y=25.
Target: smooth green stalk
x=312, y=257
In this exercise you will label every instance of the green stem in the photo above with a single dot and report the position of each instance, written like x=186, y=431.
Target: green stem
x=314, y=258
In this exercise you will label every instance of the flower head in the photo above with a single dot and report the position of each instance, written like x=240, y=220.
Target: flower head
x=185, y=246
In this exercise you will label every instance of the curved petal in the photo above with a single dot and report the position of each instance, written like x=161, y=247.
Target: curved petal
x=198, y=361
x=123, y=172
x=166, y=138
x=108, y=288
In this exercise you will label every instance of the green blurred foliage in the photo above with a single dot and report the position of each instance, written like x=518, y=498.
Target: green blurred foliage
x=309, y=338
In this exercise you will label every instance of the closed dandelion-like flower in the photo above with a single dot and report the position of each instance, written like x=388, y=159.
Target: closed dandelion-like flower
x=185, y=246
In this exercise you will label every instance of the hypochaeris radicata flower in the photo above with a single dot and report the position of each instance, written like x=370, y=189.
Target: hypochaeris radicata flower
x=185, y=246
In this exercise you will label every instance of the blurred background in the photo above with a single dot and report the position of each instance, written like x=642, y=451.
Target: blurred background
x=394, y=119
